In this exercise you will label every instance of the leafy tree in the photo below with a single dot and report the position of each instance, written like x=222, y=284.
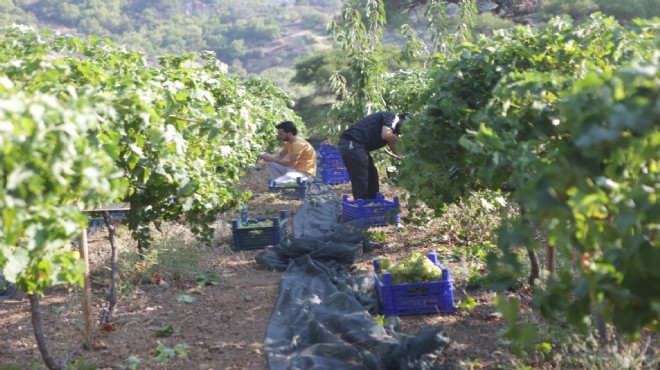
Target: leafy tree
x=11, y=13
x=627, y=10
x=355, y=80
x=506, y=7
x=254, y=29
x=282, y=77
x=236, y=49
x=575, y=9
x=315, y=20
x=486, y=23
x=359, y=31
x=515, y=9
x=92, y=26
x=173, y=26
x=326, y=3
x=318, y=68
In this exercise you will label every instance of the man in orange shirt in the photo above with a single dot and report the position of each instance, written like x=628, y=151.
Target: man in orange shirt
x=296, y=159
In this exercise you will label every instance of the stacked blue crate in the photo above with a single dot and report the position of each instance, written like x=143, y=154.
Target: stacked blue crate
x=333, y=170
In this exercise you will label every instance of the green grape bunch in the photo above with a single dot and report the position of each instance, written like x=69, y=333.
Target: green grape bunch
x=289, y=184
x=414, y=269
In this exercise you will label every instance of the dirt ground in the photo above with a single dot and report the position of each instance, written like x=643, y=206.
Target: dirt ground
x=224, y=328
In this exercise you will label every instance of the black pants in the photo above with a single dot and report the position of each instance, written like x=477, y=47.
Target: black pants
x=361, y=169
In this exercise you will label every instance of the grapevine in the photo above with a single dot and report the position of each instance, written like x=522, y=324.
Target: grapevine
x=562, y=118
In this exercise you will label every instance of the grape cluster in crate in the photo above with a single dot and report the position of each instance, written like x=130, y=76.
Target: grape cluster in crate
x=416, y=285
x=257, y=233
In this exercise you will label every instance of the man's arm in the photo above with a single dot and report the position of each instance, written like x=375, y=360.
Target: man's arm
x=280, y=158
x=293, y=159
x=282, y=153
x=390, y=137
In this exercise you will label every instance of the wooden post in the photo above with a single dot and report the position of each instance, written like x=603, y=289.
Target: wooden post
x=87, y=289
x=87, y=292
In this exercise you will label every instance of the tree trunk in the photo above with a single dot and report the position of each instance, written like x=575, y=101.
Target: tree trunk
x=551, y=260
x=533, y=257
x=534, y=261
x=35, y=310
x=112, y=296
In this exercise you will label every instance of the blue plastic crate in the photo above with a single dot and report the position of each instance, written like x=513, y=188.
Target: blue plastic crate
x=298, y=191
x=331, y=161
x=325, y=149
x=246, y=236
x=371, y=212
x=415, y=298
x=334, y=176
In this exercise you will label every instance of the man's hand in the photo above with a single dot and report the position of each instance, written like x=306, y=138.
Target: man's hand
x=266, y=157
x=395, y=156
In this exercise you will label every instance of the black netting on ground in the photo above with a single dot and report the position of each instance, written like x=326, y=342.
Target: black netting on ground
x=324, y=315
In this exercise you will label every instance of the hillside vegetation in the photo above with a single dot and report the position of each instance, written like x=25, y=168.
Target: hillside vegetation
x=248, y=36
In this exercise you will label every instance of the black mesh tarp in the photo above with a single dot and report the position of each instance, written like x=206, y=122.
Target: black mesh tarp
x=324, y=315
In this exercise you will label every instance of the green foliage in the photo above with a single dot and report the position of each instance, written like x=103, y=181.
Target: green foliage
x=359, y=31
x=626, y=11
x=570, y=349
x=158, y=28
x=522, y=337
x=369, y=87
x=11, y=13
x=606, y=207
x=166, y=256
x=282, y=78
x=166, y=353
x=459, y=144
x=564, y=117
x=403, y=89
x=446, y=33
x=165, y=331
x=315, y=20
x=133, y=362
x=378, y=235
x=204, y=279
x=399, y=88
x=98, y=125
x=487, y=23
x=575, y=9
x=185, y=298
x=53, y=166
x=230, y=114
x=467, y=304
x=81, y=365
x=316, y=70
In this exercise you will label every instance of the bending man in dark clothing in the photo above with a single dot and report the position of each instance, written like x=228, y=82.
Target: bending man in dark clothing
x=355, y=144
